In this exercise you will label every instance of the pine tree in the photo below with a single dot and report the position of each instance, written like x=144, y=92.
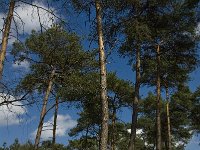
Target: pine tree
x=54, y=55
x=120, y=93
x=102, y=62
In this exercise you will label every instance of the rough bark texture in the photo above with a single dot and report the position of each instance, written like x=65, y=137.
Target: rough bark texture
x=43, y=111
x=135, y=103
x=158, y=110
x=55, y=121
x=169, y=145
x=104, y=101
x=6, y=35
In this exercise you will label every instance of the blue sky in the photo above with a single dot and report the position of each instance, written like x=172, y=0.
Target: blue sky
x=24, y=125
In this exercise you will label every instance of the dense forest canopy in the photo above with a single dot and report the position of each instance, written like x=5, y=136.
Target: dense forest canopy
x=99, y=75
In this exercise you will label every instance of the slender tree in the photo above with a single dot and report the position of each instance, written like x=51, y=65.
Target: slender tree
x=170, y=40
x=127, y=20
x=6, y=32
x=102, y=62
x=158, y=108
x=120, y=94
x=54, y=52
x=55, y=120
x=43, y=111
x=179, y=119
x=169, y=142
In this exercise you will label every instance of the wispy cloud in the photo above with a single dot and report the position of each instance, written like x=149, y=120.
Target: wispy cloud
x=28, y=18
x=31, y=18
x=64, y=123
x=198, y=29
x=10, y=114
x=21, y=65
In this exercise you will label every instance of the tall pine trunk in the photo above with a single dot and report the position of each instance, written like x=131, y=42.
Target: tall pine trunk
x=5, y=36
x=102, y=61
x=169, y=145
x=55, y=121
x=43, y=111
x=135, y=102
x=158, y=110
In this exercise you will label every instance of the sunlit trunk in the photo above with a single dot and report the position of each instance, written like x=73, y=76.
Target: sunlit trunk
x=43, y=111
x=5, y=35
x=102, y=61
x=169, y=145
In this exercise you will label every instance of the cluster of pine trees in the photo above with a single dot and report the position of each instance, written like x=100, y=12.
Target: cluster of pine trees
x=160, y=40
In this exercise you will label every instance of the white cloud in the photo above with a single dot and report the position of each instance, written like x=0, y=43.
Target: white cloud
x=179, y=143
x=10, y=114
x=29, y=15
x=28, y=19
x=138, y=131
x=24, y=65
x=198, y=29
x=64, y=123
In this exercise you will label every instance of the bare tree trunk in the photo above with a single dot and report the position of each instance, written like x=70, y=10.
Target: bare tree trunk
x=102, y=61
x=6, y=35
x=158, y=110
x=43, y=112
x=135, y=103
x=55, y=121
x=113, y=128
x=169, y=145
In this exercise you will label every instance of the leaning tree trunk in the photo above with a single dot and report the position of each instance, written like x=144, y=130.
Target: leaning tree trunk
x=5, y=36
x=43, y=112
x=169, y=145
x=102, y=61
x=135, y=102
x=55, y=121
x=158, y=109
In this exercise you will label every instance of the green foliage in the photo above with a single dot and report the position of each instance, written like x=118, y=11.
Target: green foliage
x=83, y=143
x=143, y=25
x=195, y=113
x=140, y=25
x=46, y=145
x=120, y=93
x=55, y=49
x=182, y=105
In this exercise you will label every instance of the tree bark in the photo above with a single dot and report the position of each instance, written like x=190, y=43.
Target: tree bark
x=55, y=121
x=169, y=145
x=158, y=110
x=6, y=35
x=102, y=61
x=135, y=103
x=43, y=111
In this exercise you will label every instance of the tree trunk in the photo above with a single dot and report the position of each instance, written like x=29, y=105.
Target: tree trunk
x=113, y=128
x=169, y=145
x=102, y=61
x=43, y=112
x=55, y=121
x=6, y=35
x=135, y=103
x=158, y=110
